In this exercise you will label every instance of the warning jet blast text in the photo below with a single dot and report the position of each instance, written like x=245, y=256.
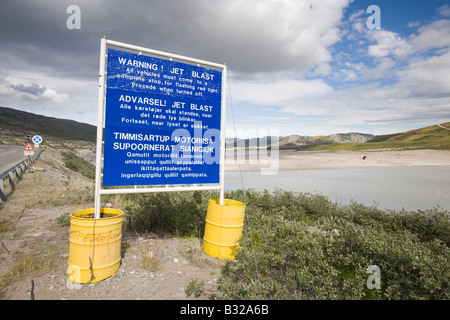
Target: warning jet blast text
x=153, y=108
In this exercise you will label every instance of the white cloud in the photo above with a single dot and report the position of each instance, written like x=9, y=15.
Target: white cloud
x=396, y=79
x=432, y=36
x=444, y=10
x=271, y=36
x=31, y=91
x=388, y=51
x=414, y=24
x=383, y=69
x=276, y=92
x=427, y=77
x=421, y=94
x=54, y=97
x=20, y=94
x=388, y=43
x=356, y=16
x=371, y=104
x=322, y=69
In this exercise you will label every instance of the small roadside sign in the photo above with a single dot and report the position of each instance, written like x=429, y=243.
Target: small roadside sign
x=37, y=139
x=28, y=150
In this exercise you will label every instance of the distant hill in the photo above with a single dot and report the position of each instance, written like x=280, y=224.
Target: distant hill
x=16, y=122
x=300, y=142
x=432, y=137
x=431, y=133
x=436, y=137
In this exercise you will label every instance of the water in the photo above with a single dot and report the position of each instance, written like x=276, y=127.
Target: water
x=411, y=188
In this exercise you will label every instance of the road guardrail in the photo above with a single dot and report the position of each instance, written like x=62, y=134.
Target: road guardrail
x=15, y=173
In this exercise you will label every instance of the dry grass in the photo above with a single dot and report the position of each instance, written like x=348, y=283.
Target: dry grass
x=150, y=261
x=149, y=249
x=43, y=260
x=45, y=188
x=62, y=186
x=194, y=253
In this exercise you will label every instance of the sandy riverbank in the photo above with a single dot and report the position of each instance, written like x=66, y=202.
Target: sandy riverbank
x=308, y=160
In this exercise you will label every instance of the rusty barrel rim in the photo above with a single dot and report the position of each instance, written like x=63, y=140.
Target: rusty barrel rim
x=83, y=213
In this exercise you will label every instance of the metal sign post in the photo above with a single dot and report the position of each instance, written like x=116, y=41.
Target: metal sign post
x=161, y=122
x=100, y=114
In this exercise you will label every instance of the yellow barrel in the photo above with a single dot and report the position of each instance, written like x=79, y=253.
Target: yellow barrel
x=96, y=243
x=223, y=228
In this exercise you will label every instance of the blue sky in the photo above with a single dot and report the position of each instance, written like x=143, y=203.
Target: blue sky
x=306, y=67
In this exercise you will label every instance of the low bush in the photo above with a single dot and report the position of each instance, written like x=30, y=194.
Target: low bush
x=77, y=164
x=304, y=246
x=180, y=214
x=301, y=246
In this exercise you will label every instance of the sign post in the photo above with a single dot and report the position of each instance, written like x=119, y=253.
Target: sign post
x=163, y=117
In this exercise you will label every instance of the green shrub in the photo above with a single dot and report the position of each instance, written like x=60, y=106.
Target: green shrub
x=302, y=246
x=77, y=164
x=196, y=286
x=4, y=225
x=63, y=220
x=181, y=213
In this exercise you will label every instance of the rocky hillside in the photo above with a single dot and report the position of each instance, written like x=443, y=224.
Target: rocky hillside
x=295, y=141
x=351, y=137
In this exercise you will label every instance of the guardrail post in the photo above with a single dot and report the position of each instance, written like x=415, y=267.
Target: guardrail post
x=11, y=179
x=2, y=191
x=16, y=171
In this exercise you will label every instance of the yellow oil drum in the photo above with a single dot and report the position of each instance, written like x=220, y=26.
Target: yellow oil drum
x=223, y=228
x=94, y=245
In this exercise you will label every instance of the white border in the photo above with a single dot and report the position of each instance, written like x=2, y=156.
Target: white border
x=100, y=125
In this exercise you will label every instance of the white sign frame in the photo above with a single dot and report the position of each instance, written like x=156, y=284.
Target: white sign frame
x=101, y=125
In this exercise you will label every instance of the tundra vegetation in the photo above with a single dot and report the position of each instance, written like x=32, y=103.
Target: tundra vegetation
x=304, y=246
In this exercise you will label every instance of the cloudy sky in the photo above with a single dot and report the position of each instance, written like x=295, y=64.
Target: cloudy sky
x=307, y=67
